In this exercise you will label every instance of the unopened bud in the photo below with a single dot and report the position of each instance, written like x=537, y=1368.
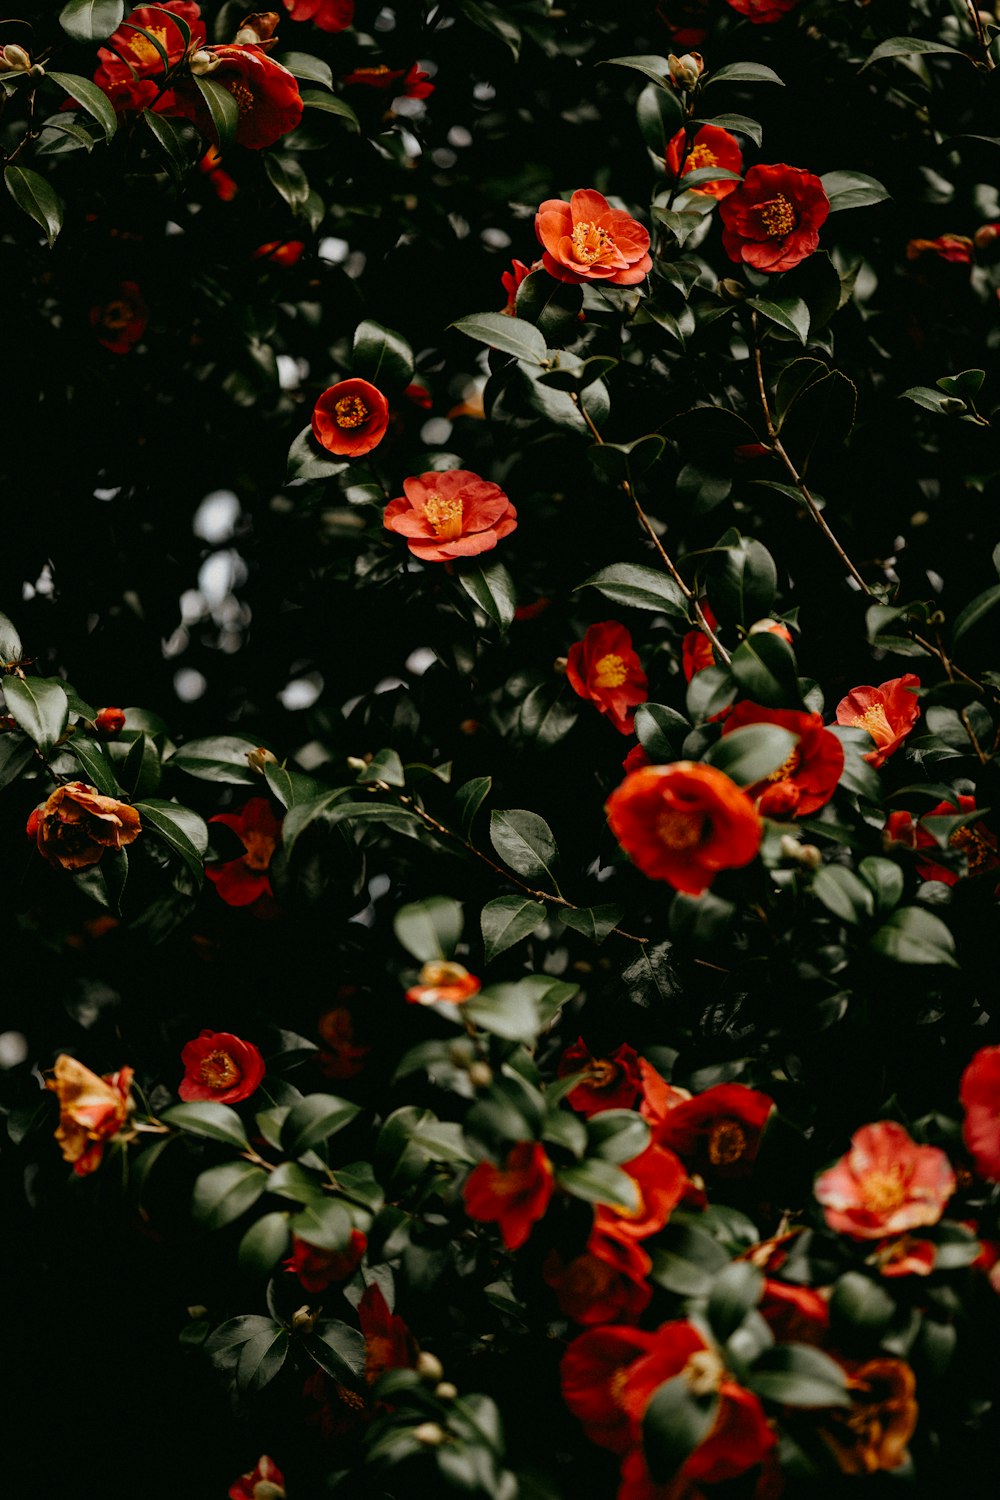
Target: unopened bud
x=730, y=290
x=686, y=70
x=355, y=763
x=806, y=855
x=265, y=1490
x=14, y=59
x=469, y=726
x=259, y=27
x=446, y=1391
x=480, y=1075
x=110, y=721
x=429, y=1367
x=559, y=666
x=203, y=62
x=304, y=1319
x=197, y=1312
x=431, y=1434
x=986, y=235
x=259, y=758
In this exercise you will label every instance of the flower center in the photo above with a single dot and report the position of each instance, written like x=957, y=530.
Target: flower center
x=787, y=768
x=143, y=53
x=700, y=156
x=877, y=724
x=777, y=216
x=727, y=1142
x=445, y=515
x=590, y=242
x=439, y=972
x=118, y=314
x=703, y=1372
x=242, y=94
x=259, y=847
x=351, y=1398
x=616, y=1387
x=377, y=71
x=610, y=672
x=350, y=411
x=679, y=830
x=602, y=1072
x=883, y=1190
x=977, y=850
x=218, y=1071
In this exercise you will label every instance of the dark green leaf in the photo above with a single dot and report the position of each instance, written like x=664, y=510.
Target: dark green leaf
x=764, y=667
x=171, y=141
x=264, y=1244
x=660, y=731
x=222, y=108
x=884, y=878
x=525, y=842
x=303, y=65
x=595, y=922
x=506, y=920
x=95, y=764
x=94, y=100
x=547, y=715
x=599, y=1181
x=734, y=1292
x=182, y=830
x=799, y=1375
x=915, y=936
x=751, y=754
x=509, y=335
x=674, y=1423
x=743, y=72
x=642, y=587
x=660, y=115
x=39, y=201
x=91, y=20
x=223, y=1193
x=790, y=313
x=325, y=1223
x=338, y=1349
x=744, y=582
x=222, y=757
x=843, y=893
x=314, y=1119
x=469, y=799
x=743, y=123
x=648, y=64
x=617, y=1135
x=11, y=649
x=430, y=928
x=491, y=17
x=382, y=355
x=260, y=1360
x=859, y=1305
x=217, y=1122
x=330, y=105
x=624, y=462
x=505, y=1010
x=492, y=589
x=16, y=751
x=286, y=176
x=975, y=611
x=40, y=707
x=852, y=190
x=908, y=46
x=386, y=767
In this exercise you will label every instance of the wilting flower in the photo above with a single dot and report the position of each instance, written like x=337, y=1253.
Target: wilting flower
x=452, y=513
x=110, y=722
x=416, y=84
x=318, y=1269
x=760, y=12
x=794, y=1314
x=121, y=321
x=442, y=982
x=350, y=418
x=980, y=1096
x=712, y=147
x=224, y=186
x=606, y=1283
x=389, y=1344
x=772, y=220
x=976, y=842
x=604, y=668
x=873, y=1433
x=888, y=712
x=76, y=825
x=955, y=248
x=717, y=1132
x=886, y=1184
x=588, y=240
x=243, y=880
x=593, y=1372
x=514, y=1196
x=265, y=1482
x=266, y=94
x=683, y=823
x=91, y=1110
x=342, y=1056
x=280, y=252
x=807, y=779
x=220, y=1066
x=131, y=69
x=328, y=15
x=611, y=1082
x=510, y=281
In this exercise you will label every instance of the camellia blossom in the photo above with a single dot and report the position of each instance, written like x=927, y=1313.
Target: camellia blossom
x=514, y=1196
x=772, y=221
x=588, y=240
x=761, y=12
x=683, y=823
x=76, y=825
x=696, y=648
x=606, y=1283
x=415, y=85
x=888, y=712
x=980, y=1097
x=717, y=1132
x=224, y=186
x=611, y=1082
x=220, y=1066
x=328, y=15
x=131, y=69
x=342, y=1056
x=807, y=779
x=121, y=321
x=794, y=1314
x=91, y=1110
x=886, y=1184
x=592, y=1373
x=266, y=94
x=443, y=982
x=252, y=1486
x=318, y=1269
x=110, y=722
x=605, y=669
x=510, y=281
x=243, y=880
x=711, y=147
x=660, y=1181
x=977, y=842
x=954, y=248
x=350, y=418
x=872, y=1434
x=389, y=1344
x=280, y=252
x=451, y=513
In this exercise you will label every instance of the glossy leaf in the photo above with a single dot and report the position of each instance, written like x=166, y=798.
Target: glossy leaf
x=40, y=707
x=506, y=920
x=37, y=199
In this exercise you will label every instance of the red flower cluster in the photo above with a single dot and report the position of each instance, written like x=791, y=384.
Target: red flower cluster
x=885, y=1185
x=131, y=68
x=350, y=418
x=451, y=513
x=808, y=778
x=121, y=321
x=514, y=1196
x=711, y=147
x=888, y=712
x=588, y=240
x=219, y=1066
x=266, y=94
x=244, y=880
x=976, y=842
x=604, y=668
x=772, y=221
x=683, y=823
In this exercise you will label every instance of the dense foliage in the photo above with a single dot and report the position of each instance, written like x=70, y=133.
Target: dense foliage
x=507, y=1005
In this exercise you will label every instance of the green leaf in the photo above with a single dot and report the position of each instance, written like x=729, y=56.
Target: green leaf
x=915, y=936
x=790, y=313
x=908, y=46
x=525, y=842
x=595, y=922
x=799, y=1375
x=744, y=581
x=224, y=1344
x=687, y=1260
x=660, y=731
x=975, y=611
x=260, y=1360
x=223, y=1193
x=95, y=764
x=94, y=100
x=743, y=72
x=222, y=108
x=313, y=1120
x=384, y=766
x=16, y=751
x=338, y=1349
x=642, y=587
x=430, y=928
x=852, y=190
x=290, y=787
x=709, y=174
x=743, y=123
x=547, y=715
x=504, y=1010
x=674, y=1423
x=40, y=202
x=221, y=757
x=181, y=829
x=735, y=1291
x=171, y=142
x=39, y=706
x=509, y=335
x=506, y=920
x=139, y=775
x=884, y=878
x=492, y=589
x=307, y=460
x=623, y=462
x=648, y=64
x=324, y=1223
x=264, y=1244
x=296, y=1183
x=91, y=20
x=859, y=1305
x=617, y=1135
x=11, y=649
x=311, y=69
x=751, y=754
x=330, y=104
x=764, y=666
x=381, y=355
x=843, y=894
x=965, y=383
x=214, y=1121
x=287, y=177
x=602, y=1182
x=660, y=114
x=469, y=798
x=490, y=17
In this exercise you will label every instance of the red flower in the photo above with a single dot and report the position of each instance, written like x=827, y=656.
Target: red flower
x=604, y=668
x=980, y=1096
x=683, y=823
x=389, y=1344
x=219, y=1066
x=635, y=760
x=243, y=880
x=92, y=1110
x=343, y=1057
x=510, y=281
x=712, y=147
x=658, y=1096
x=251, y=1486
x=266, y=94
x=605, y=1284
x=684, y=18
x=224, y=186
x=513, y=1196
x=696, y=648
x=350, y=418
x=121, y=321
x=416, y=84
x=977, y=843
x=808, y=778
x=661, y=1181
x=888, y=712
x=588, y=240
x=986, y=235
x=420, y=396
x=75, y=826
x=906, y=1257
x=442, y=982
x=760, y=12
x=610, y=1082
x=131, y=69
x=593, y=1373
x=318, y=1269
x=772, y=220
x=886, y=1184
x=718, y=1132
x=794, y=1314
x=110, y=722
x=281, y=252
x=328, y=15
x=449, y=514
x=955, y=248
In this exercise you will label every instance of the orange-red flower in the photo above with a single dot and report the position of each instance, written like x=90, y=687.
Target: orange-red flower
x=760, y=12
x=980, y=1096
x=510, y=281
x=593, y=1372
x=696, y=648
x=76, y=825
x=661, y=1182
x=604, y=668
x=131, y=69
x=606, y=1283
x=121, y=321
x=873, y=1434
x=224, y=186
x=252, y=1486
x=416, y=84
x=888, y=712
x=514, y=1196
x=794, y=1314
x=266, y=94
x=974, y=840
x=243, y=880
x=906, y=1257
x=389, y=1344
x=328, y=15
x=280, y=252
x=452, y=513
x=683, y=823
x=443, y=982
x=588, y=240
x=611, y=1082
x=350, y=418
x=808, y=778
x=955, y=248
x=886, y=1184
x=712, y=147
x=717, y=1132
x=91, y=1110
x=772, y=221
x=318, y=1269
x=110, y=722
x=342, y=1056
x=220, y=1066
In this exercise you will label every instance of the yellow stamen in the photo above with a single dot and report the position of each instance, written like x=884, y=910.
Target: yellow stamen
x=259, y=847
x=242, y=94
x=679, y=830
x=350, y=411
x=610, y=672
x=727, y=1142
x=877, y=724
x=883, y=1190
x=777, y=216
x=218, y=1070
x=700, y=156
x=590, y=243
x=787, y=768
x=445, y=515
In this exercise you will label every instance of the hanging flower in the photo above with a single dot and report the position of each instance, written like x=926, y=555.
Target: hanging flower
x=265, y=1482
x=808, y=778
x=588, y=240
x=980, y=1096
x=266, y=94
x=121, y=321
x=886, y=1184
x=350, y=418
x=718, y=1132
x=76, y=825
x=220, y=1066
x=92, y=1111
x=243, y=880
x=442, y=982
x=131, y=68
x=611, y=1082
x=327, y=15
x=873, y=1433
x=711, y=147
x=772, y=221
x=683, y=823
x=888, y=712
x=604, y=668
x=514, y=1196
x=451, y=513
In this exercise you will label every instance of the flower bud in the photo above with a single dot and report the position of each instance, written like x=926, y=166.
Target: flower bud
x=685, y=71
x=469, y=726
x=203, y=62
x=446, y=1391
x=986, y=235
x=429, y=1367
x=265, y=1490
x=480, y=1075
x=431, y=1434
x=730, y=290
x=110, y=721
x=559, y=666
x=355, y=763
x=259, y=758
x=304, y=1319
x=14, y=59
x=257, y=28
